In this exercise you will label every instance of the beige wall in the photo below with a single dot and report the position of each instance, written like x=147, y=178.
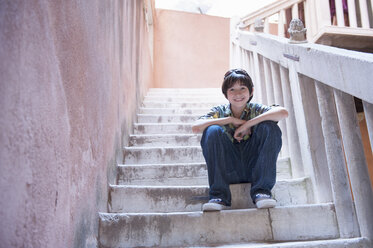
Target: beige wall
x=190, y=50
x=72, y=74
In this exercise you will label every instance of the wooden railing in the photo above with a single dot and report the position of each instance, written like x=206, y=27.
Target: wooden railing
x=315, y=14
x=317, y=84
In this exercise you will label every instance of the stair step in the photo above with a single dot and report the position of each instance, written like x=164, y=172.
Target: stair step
x=290, y=223
x=185, y=91
x=178, y=174
x=329, y=243
x=197, y=99
x=159, y=199
x=156, y=118
x=158, y=155
x=159, y=128
x=169, y=111
x=148, y=104
x=163, y=174
x=165, y=140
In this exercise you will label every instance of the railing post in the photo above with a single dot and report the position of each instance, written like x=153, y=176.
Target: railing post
x=344, y=206
x=281, y=27
x=322, y=13
x=312, y=18
x=244, y=59
x=256, y=97
x=339, y=13
x=368, y=111
x=294, y=11
x=292, y=131
x=268, y=82
x=258, y=79
x=356, y=162
x=364, y=13
x=266, y=25
x=352, y=13
x=277, y=89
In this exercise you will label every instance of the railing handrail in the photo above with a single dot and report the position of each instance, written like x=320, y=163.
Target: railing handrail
x=268, y=10
x=313, y=59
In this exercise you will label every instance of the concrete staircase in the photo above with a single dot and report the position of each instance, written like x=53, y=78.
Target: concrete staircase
x=163, y=183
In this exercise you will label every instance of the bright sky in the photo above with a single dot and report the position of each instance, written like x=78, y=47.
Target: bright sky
x=225, y=8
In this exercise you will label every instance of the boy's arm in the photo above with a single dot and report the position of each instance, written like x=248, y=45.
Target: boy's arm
x=200, y=125
x=274, y=114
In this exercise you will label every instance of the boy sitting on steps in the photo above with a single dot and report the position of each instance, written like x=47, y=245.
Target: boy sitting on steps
x=240, y=143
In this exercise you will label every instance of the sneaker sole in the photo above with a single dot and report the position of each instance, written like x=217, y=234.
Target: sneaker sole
x=266, y=203
x=213, y=207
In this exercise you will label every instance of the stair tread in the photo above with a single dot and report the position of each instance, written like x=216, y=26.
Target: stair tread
x=175, y=198
x=283, y=159
x=169, y=229
x=330, y=243
x=291, y=180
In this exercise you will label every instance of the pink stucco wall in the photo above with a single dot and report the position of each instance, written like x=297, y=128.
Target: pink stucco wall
x=190, y=50
x=72, y=74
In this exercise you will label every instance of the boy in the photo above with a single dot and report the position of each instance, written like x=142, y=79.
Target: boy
x=240, y=143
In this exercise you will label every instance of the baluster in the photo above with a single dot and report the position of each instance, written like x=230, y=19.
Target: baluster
x=344, y=206
x=364, y=13
x=316, y=138
x=281, y=27
x=251, y=28
x=310, y=17
x=322, y=13
x=339, y=13
x=268, y=82
x=252, y=66
x=352, y=13
x=294, y=11
x=302, y=109
x=368, y=111
x=279, y=100
x=258, y=79
x=244, y=59
x=266, y=25
x=356, y=162
x=293, y=139
x=314, y=22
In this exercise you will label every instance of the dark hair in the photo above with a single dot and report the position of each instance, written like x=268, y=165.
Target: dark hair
x=237, y=75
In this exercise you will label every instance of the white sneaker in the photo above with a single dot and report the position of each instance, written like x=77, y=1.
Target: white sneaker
x=214, y=205
x=264, y=201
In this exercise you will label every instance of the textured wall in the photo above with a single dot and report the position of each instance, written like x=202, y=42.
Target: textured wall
x=190, y=50
x=72, y=74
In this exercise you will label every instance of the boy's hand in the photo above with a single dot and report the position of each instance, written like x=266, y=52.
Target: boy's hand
x=241, y=132
x=237, y=122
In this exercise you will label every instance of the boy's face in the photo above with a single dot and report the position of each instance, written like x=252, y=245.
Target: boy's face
x=238, y=95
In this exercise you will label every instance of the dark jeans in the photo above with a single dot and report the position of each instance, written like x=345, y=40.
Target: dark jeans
x=251, y=161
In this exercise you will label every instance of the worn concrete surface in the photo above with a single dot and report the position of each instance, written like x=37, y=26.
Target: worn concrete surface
x=248, y=225
x=71, y=76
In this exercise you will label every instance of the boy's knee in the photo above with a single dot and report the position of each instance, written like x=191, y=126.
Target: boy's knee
x=212, y=132
x=269, y=128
